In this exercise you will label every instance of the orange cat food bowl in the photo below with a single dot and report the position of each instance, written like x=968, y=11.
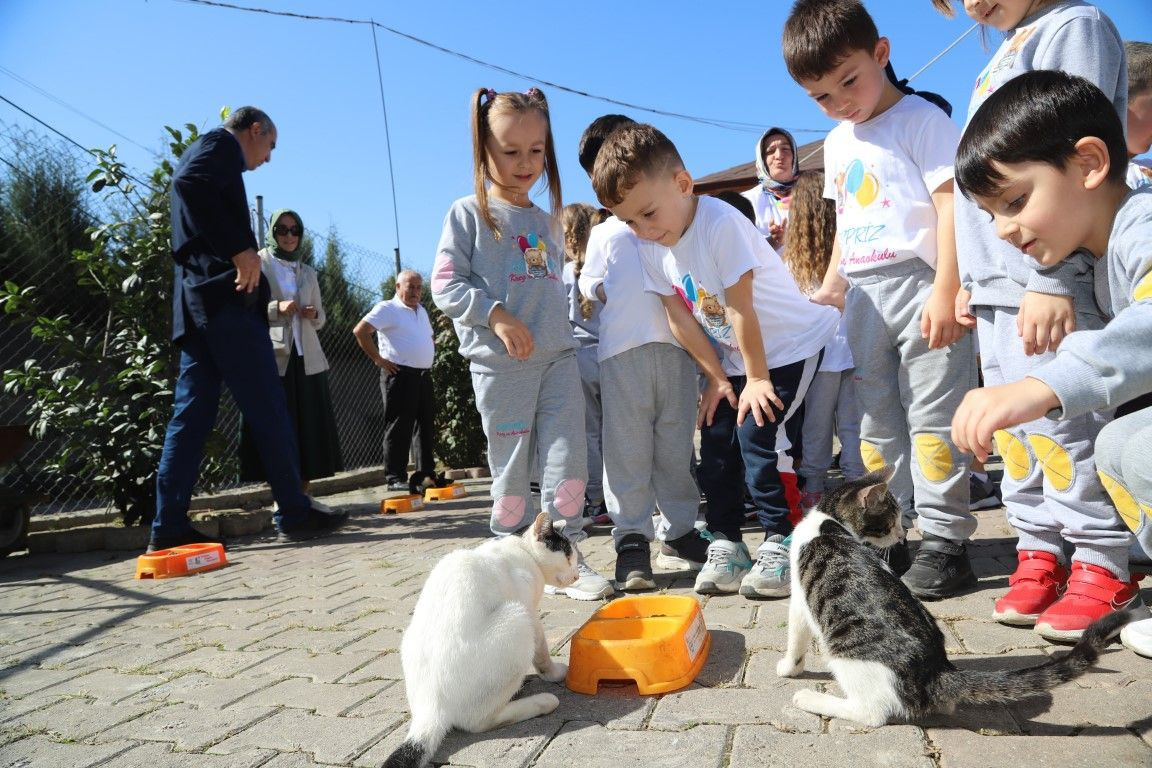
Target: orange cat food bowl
x=180, y=561
x=401, y=504
x=658, y=641
x=452, y=491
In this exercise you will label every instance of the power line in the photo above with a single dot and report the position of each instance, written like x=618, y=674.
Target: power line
x=73, y=109
x=730, y=125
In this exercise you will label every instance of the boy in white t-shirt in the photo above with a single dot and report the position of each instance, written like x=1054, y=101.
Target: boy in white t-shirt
x=648, y=391
x=888, y=166
x=714, y=270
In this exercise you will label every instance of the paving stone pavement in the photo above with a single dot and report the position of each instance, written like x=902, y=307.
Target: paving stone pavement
x=289, y=657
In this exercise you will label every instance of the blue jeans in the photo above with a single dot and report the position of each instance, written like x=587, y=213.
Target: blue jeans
x=234, y=349
x=733, y=457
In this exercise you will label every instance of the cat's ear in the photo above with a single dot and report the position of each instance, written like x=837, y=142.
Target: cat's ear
x=874, y=485
x=541, y=526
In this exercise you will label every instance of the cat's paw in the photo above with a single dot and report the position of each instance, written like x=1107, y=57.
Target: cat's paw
x=806, y=699
x=547, y=703
x=788, y=668
x=556, y=673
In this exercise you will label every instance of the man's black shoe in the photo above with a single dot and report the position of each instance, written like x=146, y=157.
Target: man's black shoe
x=314, y=526
x=189, y=536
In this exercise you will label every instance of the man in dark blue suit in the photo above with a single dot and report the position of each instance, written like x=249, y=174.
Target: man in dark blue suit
x=218, y=319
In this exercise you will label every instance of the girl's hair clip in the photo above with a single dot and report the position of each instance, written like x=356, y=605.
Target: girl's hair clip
x=490, y=94
x=534, y=93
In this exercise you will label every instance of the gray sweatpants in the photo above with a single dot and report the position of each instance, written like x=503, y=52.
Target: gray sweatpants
x=1122, y=452
x=593, y=418
x=908, y=394
x=649, y=395
x=830, y=408
x=535, y=412
x=1060, y=498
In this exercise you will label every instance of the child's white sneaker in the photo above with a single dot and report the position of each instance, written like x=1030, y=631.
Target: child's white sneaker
x=771, y=575
x=726, y=565
x=1137, y=637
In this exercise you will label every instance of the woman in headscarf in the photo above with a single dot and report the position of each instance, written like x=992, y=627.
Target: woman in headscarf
x=295, y=313
x=777, y=168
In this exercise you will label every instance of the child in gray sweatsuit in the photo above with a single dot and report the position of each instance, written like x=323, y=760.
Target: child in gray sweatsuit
x=1035, y=123
x=497, y=275
x=1008, y=301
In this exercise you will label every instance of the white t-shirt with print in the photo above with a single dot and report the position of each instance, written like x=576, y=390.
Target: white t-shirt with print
x=881, y=174
x=717, y=249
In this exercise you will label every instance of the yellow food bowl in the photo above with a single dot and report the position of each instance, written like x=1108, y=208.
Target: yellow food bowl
x=452, y=491
x=401, y=504
x=180, y=561
x=658, y=641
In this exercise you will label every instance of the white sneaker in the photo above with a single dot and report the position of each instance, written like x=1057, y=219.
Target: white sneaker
x=1137, y=637
x=771, y=575
x=727, y=563
x=589, y=586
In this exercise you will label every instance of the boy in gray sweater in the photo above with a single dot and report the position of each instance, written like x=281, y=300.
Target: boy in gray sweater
x=1045, y=157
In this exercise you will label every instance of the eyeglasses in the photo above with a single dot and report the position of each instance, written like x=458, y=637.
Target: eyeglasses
x=280, y=231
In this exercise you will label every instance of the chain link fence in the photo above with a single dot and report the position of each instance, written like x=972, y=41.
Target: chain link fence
x=46, y=209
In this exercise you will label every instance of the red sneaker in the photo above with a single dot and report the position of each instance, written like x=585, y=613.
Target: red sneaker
x=1037, y=583
x=1092, y=593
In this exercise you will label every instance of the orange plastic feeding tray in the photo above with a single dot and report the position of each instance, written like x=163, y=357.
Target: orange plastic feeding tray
x=659, y=641
x=180, y=561
x=401, y=504
x=452, y=491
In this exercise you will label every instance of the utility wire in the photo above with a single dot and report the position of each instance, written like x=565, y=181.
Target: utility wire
x=730, y=125
x=388, y=147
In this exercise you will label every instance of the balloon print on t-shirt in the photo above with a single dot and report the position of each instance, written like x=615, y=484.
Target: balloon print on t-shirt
x=535, y=252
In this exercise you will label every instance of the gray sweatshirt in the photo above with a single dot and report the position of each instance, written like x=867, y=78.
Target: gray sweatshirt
x=474, y=273
x=1074, y=37
x=1096, y=370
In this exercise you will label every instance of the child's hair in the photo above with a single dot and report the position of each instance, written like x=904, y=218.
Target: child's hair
x=811, y=231
x=819, y=34
x=486, y=104
x=945, y=7
x=628, y=154
x=1037, y=116
x=579, y=218
x=593, y=138
x=1139, y=67
x=739, y=202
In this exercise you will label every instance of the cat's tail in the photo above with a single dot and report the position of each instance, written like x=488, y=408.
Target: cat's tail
x=419, y=745
x=1006, y=686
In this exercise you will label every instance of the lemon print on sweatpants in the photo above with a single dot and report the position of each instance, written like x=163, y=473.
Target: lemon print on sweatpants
x=1054, y=460
x=1015, y=454
x=1125, y=502
x=871, y=457
x=934, y=457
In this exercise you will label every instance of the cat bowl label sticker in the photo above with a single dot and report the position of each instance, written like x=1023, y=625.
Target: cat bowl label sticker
x=457, y=490
x=192, y=562
x=416, y=502
x=694, y=637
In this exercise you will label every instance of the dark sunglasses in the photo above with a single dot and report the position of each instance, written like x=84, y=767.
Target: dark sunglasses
x=280, y=230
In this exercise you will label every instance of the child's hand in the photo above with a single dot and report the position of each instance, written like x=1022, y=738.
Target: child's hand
x=776, y=235
x=938, y=321
x=829, y=297
x=985, y=410
x=1044, y=320
x=515, y=335
x=964, y=314
x=713, y=393
x=757, y=398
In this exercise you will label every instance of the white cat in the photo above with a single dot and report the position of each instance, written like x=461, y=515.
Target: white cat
x=474, y=631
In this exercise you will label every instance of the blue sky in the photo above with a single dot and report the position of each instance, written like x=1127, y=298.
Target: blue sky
x=138, y=65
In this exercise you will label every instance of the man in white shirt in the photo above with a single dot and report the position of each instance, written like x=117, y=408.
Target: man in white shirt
x=404, y=351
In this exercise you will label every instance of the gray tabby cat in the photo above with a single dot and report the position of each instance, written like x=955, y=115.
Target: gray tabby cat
x=882, y=645
x=474, y=632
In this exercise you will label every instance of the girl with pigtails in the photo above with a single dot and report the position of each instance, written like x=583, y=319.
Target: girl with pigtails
x=497, y=275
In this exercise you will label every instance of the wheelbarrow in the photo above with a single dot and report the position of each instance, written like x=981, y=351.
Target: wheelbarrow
x=16, y=489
